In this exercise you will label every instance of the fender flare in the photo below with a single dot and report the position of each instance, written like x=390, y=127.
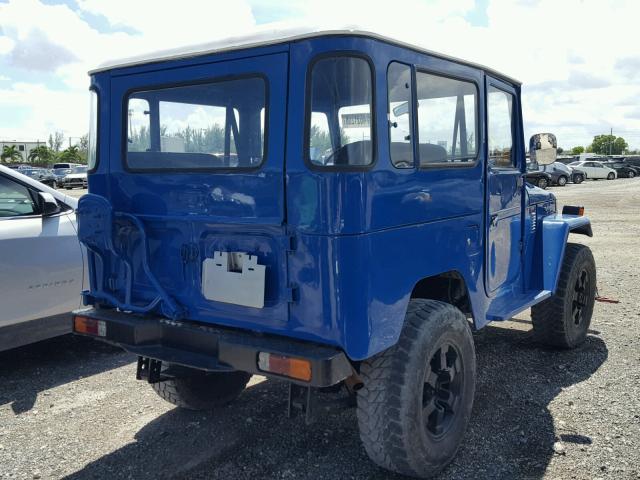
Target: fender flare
x=555, y=232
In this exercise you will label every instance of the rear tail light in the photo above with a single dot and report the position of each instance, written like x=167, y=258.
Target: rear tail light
x=89, y=326
x=296, y=368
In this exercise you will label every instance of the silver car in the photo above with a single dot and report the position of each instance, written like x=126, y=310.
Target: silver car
x=41, y=260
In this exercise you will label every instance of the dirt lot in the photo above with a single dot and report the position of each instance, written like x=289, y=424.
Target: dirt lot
x=72, y=408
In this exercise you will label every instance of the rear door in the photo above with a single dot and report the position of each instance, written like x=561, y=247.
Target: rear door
x=198, y=156
x=505, y=186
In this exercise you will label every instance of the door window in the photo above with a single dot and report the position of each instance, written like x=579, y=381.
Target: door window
x=15, y=199
x=500, y=113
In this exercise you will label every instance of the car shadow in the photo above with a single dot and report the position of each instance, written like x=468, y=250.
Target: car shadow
x=26, y=371
x=511, y=434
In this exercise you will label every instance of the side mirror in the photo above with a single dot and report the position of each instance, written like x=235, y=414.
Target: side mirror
x=543, y=148
x=48, y=204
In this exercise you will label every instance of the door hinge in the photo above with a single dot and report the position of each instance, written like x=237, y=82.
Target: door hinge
x=292, y=243
x=293, y=294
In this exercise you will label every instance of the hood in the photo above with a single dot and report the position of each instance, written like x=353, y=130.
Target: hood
x=537, y=195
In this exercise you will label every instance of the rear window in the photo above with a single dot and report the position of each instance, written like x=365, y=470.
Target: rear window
x=214, y=125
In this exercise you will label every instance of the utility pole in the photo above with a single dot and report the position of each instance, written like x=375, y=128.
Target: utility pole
x=610, y=141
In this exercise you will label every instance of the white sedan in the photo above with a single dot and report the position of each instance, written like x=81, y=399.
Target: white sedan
x=595, y=170
x=41, y=260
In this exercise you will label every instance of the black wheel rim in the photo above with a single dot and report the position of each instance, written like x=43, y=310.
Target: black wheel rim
x=542, y=183
x=442, y=390
x=580, y=300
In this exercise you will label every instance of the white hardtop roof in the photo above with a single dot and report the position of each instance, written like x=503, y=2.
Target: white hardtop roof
x=272, y=36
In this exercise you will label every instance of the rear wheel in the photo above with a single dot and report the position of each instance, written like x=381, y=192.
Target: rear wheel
x=563, y=319
x=199, y=390
x=542, y=183
x=611, y=176
x=562, y=180
x=416, y=401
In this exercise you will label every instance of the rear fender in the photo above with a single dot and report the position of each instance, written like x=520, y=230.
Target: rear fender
x=555, y=231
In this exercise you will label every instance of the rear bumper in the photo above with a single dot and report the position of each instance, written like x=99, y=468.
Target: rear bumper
x=213, y=348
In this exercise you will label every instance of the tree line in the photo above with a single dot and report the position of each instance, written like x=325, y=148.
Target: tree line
x=605, y=145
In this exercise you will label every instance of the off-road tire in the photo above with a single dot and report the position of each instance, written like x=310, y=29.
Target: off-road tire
x=200, y=390
x=542, y=183
x=563, y=319
x=562, y=180
x=391, y=404
x=578, y=178
x=611, y=176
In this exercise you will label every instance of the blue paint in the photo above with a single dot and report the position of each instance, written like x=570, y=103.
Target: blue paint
x=344, y=249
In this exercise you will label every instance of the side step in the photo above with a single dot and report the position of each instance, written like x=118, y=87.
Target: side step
x=509, y=305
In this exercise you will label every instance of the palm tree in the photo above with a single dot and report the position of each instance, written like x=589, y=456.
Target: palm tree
x=71, y=154
x=41, y=153
x=10, y=154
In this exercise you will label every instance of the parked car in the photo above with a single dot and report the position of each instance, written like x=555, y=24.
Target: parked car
x=359, y=269
x=577, y=175
x=77, y=178
x=633, y=160
x=41, y=261
x=595, y=170
x=560, y=173
x=59, y=174
x=41, y=174
x=623, y=170
x=538, y=178
x=66, y=165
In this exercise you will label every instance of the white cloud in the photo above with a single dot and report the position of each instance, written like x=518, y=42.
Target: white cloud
x=578, y=59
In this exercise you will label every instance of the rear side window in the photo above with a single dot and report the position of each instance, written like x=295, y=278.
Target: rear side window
x=216, y=125
x=447, y=127
x=339, y=120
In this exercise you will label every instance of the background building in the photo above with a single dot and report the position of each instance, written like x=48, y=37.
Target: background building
x=24, y=148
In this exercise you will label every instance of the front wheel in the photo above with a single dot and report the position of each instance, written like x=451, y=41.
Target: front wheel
x=562, y=180
x=563, y=319
x=542, y=183
x=630, y=175
x=199, y=390
x=578, y=178
x=611, y=176
x=416, y=401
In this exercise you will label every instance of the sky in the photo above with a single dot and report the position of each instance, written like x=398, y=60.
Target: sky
x=578, y=60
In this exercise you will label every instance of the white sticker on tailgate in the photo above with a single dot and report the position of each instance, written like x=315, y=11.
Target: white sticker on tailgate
x=234, y=277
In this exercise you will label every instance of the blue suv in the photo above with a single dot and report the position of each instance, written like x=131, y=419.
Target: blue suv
x=327, y=208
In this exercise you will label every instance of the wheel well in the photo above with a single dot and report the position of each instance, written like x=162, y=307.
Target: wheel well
x=447, y=287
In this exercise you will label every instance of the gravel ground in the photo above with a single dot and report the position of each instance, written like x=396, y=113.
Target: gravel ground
x=71, y=407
